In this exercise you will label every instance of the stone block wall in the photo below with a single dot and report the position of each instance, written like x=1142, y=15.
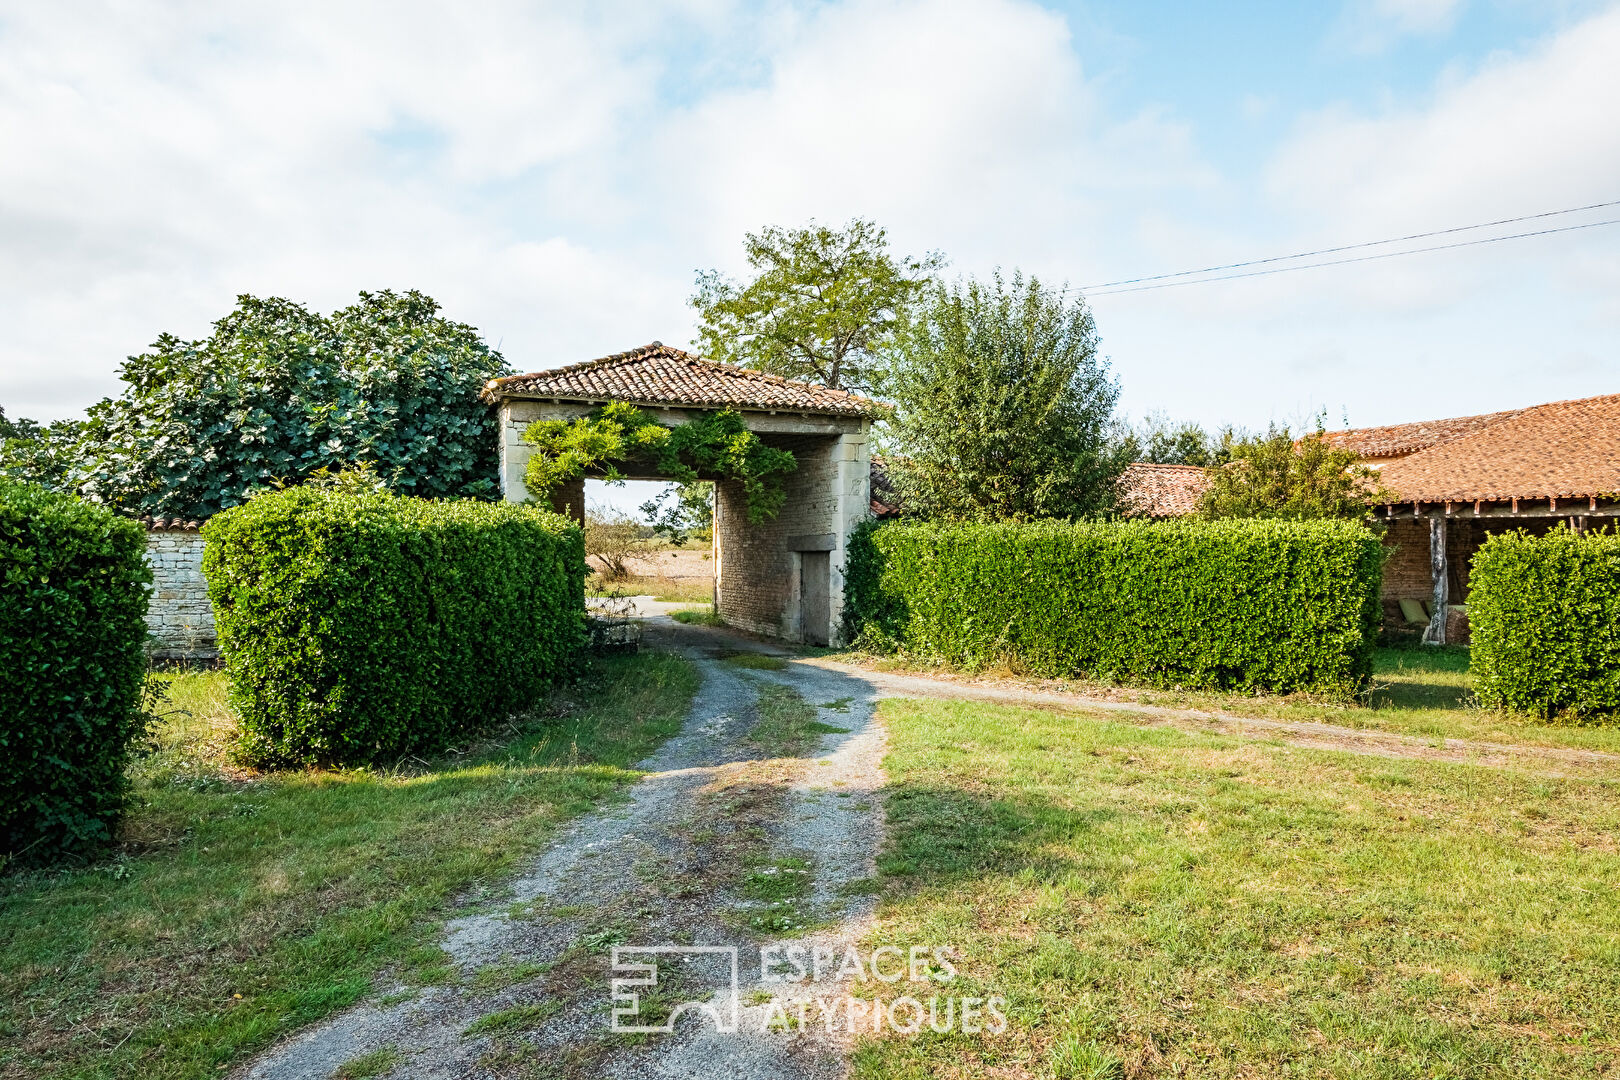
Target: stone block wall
x=179, y=617
x=757, y=566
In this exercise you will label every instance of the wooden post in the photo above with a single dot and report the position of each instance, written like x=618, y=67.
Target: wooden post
x=1436, y=632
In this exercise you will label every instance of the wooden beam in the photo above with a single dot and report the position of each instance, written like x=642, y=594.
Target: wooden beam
x=1436, y=632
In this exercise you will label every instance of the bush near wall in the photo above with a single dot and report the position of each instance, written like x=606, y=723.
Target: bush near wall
x=361, y=627
x=1231, y=605
x=1544, y=614
x=73, y=593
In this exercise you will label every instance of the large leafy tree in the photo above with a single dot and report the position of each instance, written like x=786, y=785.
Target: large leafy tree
x=825, y=304
x=1003, y=407
x=278, y=392
x=1276, y=475
x=36, y=453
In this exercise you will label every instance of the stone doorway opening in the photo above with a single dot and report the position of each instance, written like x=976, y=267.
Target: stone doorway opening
x=782, y=578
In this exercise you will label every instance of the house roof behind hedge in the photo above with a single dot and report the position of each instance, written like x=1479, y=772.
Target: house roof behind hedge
x=1161, y=491
x=1566, y=449
x=1397, y=439
x=657, y=374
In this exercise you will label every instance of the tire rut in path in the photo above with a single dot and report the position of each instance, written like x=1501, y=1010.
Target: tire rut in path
x=666, y=866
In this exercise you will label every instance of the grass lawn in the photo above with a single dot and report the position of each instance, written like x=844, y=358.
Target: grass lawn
x=1156, y=902
x=242, y=906
x=1419, y=690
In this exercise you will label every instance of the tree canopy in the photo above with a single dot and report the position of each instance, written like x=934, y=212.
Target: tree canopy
x=1277, y=476
x=278, y=392
x=825, y=304
x=1003, y=406
x=1161, y=441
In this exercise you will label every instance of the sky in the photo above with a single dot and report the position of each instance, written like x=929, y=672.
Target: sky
x=555, y=174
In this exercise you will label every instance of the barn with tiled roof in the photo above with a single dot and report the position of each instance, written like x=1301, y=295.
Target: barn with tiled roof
x=1459, y=480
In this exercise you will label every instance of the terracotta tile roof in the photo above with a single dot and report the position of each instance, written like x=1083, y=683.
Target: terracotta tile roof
x=169, y=524
x=657, y=374
x=1161, y=491
x=1566, y=449
x=1398, y=439
x=884, y=502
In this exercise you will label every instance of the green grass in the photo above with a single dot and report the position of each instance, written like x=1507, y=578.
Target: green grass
x=1419, y=690
x=756, y=661
x=1160, y=902
x=369, y=1065
x=698, y=616
x=787, y=724
x=517, y=1018
x=242, y=906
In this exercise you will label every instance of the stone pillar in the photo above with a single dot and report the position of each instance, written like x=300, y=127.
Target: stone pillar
x=854, y=468
x=1436, y=632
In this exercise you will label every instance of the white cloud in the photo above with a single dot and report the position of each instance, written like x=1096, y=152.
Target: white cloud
x=159, y=161
x=553, y=175
x=970, y=120
x=1523, y=134
x=1373, y=25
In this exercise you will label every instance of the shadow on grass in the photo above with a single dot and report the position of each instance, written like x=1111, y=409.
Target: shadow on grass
x=1422, y=677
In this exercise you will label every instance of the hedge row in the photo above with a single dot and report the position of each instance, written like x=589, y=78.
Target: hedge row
x=73, y=593
x=358, y=628
x=1231, y=605
x=1544, y=613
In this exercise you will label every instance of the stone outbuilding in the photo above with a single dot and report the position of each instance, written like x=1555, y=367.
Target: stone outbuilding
x=783, y=578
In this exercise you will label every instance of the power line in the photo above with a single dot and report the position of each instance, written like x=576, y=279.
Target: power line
x=1353, y=247
x=1357, y=259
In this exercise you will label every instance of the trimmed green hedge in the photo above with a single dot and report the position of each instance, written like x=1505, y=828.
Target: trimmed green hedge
x=1544, y=614
x=1230, y=605
x=358, y=628
x=73, y=592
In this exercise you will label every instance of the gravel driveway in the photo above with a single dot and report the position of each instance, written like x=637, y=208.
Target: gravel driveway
x=692, y=857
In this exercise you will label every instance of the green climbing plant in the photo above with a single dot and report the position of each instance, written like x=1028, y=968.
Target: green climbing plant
x=713, y=446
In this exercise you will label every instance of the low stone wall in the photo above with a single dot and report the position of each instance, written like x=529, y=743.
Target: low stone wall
x=179, y=618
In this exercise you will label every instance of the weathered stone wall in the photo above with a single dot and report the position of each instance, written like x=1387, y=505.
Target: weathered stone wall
x=179, y=617
x=757, y=578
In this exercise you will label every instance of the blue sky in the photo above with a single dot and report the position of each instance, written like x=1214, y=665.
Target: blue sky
x=556, y=173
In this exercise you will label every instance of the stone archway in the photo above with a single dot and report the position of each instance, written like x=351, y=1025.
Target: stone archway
x=783, y=578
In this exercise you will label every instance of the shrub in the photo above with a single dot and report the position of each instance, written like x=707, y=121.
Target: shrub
x=1544, y=614
x=1232, y=605
x=73, y=592
x=358, y=627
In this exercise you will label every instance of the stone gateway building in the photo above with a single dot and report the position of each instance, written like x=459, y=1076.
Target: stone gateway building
x=783, y=578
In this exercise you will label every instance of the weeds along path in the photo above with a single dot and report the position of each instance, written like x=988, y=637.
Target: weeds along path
x=757, y=823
